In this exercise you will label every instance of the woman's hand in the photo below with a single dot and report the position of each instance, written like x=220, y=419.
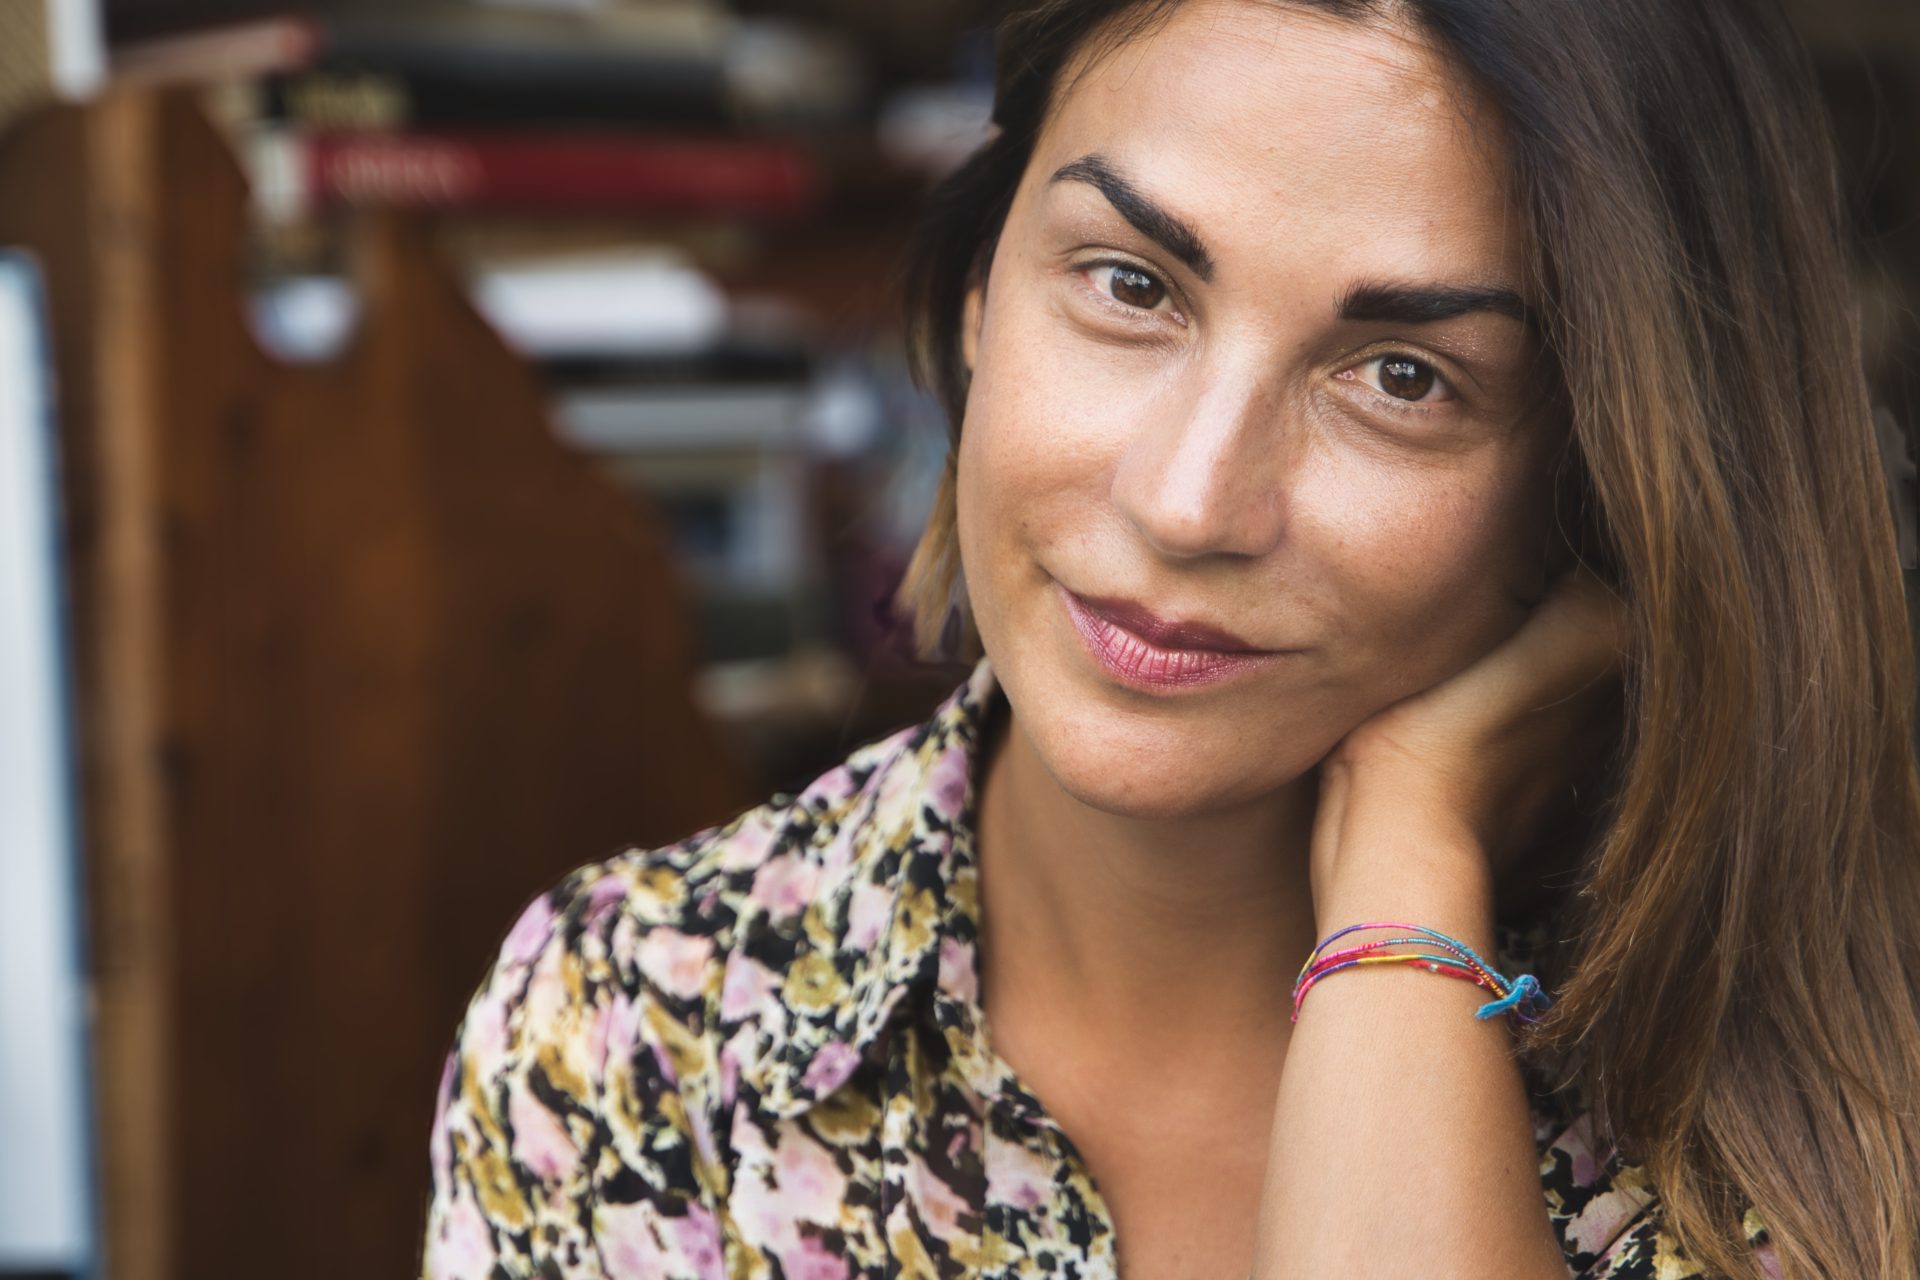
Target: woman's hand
x=1470, y=768
x=1421, y=808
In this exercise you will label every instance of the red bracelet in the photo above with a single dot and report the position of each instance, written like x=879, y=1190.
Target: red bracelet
x=1521, y=996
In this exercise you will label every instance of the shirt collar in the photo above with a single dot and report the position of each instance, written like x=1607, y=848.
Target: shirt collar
x=864, y=909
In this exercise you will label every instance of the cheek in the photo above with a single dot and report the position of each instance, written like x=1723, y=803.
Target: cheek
x=1424, y=566
x=1034, y=448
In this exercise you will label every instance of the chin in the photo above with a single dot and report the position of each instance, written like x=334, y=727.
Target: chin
x=1147, y=773
x=1120, y=796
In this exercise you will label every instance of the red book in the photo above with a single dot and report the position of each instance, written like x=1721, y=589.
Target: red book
x=540, y=173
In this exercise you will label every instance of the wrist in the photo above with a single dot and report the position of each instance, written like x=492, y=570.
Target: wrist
x=1456, y=906
x=1396, y=858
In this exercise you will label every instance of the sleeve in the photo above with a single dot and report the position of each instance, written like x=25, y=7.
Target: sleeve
x=538, y=1168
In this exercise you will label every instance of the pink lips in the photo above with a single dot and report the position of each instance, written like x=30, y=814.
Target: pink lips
x=1168, y=635
x=1145, y=651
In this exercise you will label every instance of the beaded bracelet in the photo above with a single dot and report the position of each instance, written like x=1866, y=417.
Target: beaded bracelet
x=1521, y=996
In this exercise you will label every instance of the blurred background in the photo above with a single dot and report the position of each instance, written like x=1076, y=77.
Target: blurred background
x=442, y=444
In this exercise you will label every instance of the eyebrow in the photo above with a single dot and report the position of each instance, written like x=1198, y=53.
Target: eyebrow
x=1396, y=303
x=1367, y=302
x=1163, y=228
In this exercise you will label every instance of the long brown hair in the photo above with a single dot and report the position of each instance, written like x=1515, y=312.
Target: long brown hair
x=1741, y=970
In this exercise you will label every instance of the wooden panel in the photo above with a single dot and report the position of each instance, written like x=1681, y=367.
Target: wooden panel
x=407, y=661
x=65, y=194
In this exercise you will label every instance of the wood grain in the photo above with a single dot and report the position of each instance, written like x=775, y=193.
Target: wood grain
x=368, y=660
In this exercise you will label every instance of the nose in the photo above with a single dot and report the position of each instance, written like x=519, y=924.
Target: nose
x=1205, y=471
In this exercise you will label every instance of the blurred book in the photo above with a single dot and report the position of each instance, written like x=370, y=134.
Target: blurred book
x=295, y=171
x=934, y=128
x=254, y=47
x=617, y=316
x=717, y=441
x=732, y=361
x=710, y=417
x=684, y=63
x=706, y=413
x=632, y=305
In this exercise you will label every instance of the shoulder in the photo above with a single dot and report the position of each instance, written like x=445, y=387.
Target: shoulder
x=663, y=921
x=661, y=924
x=607, y=966
x=612, y=1028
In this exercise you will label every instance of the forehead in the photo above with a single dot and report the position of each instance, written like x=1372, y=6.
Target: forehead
x=1271, y=125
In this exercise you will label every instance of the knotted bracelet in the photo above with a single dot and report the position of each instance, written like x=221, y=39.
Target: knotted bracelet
x=1521, y=996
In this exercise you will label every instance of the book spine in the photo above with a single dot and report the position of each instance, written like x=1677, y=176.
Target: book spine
x=264, y=47
x=681, y=95
x=564, y=174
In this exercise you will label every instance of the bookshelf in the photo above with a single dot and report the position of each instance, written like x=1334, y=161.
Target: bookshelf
x=364, y=655
x=399, y=589
x=747, y=147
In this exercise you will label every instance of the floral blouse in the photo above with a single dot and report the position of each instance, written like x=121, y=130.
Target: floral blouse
x=760, y=1053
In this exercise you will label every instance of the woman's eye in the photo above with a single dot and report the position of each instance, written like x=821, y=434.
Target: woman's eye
x=1403, y=378
x=1131, y=286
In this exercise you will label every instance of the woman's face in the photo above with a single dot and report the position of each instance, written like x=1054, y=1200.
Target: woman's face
x=1253, y=354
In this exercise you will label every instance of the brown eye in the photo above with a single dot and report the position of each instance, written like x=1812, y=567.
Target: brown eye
x=1401, y=377
x=1136, y=288
x=1406, y=379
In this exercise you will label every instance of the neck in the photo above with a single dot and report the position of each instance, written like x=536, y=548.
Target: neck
x=1140, y=931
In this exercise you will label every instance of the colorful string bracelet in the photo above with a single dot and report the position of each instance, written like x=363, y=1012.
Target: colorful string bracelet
x=1521, y=996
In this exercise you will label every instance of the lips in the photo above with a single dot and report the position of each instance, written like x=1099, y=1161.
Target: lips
x=1160, y=666
x=1167, y=633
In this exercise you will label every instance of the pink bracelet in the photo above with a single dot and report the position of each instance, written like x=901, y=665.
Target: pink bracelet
x=1521, y=996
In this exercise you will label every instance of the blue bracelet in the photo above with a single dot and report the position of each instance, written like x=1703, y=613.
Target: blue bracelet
x=1522, y=996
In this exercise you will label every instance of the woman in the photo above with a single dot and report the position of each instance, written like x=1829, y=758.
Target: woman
x=1344, y=394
